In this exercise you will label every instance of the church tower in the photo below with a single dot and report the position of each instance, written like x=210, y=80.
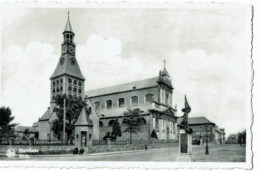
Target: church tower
x=67, y=77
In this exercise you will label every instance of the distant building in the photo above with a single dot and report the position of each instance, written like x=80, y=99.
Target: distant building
x=202, y=128
x=239, y=138
x=19, y=132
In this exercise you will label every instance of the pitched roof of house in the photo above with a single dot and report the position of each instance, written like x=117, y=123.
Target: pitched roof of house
x=46, y=115
x=83, y=118
x=67, y=68
x=23, y=128
x=197, y=121
x=150, y=82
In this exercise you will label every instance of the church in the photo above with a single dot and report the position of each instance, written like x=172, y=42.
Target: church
x=153, y=96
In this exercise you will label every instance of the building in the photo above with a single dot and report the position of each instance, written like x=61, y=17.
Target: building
x=21, y=132
x=153, y=96
x=202, y=128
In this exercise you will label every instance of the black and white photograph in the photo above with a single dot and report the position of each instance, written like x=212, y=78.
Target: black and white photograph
x=127, y=83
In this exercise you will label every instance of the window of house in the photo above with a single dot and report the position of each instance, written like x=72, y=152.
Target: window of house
x=134, y=100
x=69, y=88
x=111, y=122
x=61, y=88
x=149, y=98
x=79, y=90
x=97, y=105
x=61, y=80
x=75, y=82
x=58, y=89
x=121, y=102
x=109, y=104
x=53, y=90
x=53, y=83
x=57, y=81
x=79, y=83
x=70, y=80
x=74, y=89
x=101, y=124
x=167, y=98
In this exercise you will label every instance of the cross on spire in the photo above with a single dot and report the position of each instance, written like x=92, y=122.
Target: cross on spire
x=164, y=63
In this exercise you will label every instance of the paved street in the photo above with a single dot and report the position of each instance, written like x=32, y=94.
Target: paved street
x=218, y=153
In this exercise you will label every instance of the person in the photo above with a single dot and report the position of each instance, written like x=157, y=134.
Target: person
x=145, y=146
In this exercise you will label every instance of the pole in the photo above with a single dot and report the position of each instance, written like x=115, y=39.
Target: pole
x=207, y=147
x=64, y=119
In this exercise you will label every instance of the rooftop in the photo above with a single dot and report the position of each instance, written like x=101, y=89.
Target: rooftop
x=140, y=84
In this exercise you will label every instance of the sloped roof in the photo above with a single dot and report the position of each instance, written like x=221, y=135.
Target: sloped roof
x=23, y=128
x=83, y=119
x=67, y=68
x=150, y=82
x=46, y=115
x=197, y=120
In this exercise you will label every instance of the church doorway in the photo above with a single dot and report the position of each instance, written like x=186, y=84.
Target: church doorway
x=83, y=138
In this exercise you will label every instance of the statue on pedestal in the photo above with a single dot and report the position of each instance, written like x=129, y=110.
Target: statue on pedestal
x=184, y=123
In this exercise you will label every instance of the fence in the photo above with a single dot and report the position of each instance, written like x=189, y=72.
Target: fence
x=133, y=142
x=34, y=142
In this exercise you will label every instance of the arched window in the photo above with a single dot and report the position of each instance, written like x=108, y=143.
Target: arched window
x=61, y=80
x=69, y=88
x=58, y=89
x=142, y=121
x=134, y=100
x=121, y=102
x=61, y=88
x=74, y=89
x=53, y=90
x=101, y=124
x=109, y=104
x=149, y=98
x=111, y=122
x=124, y=122
x=69, y=80
x=156, y=123
x=57, y=81
x=75, y=82
x=53, y=83
x=79, y=90
x=97, y=105
x=79, y=83
x=77, y=136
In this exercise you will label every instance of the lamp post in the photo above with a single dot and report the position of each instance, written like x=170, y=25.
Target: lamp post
x=207, y=147
x=200, y=137
x=64, y=120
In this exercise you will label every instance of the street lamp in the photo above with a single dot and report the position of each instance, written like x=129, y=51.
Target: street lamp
x=207, y=147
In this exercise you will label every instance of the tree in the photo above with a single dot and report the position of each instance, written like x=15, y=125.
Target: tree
x=6, y=127
x=116, y=130
x=154, y=135
x=73, y=106
x=132, y=119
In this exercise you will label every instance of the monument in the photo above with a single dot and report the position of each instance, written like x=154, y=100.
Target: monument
x=185, y=136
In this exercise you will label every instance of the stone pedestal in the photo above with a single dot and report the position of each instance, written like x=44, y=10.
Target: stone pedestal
x=31, y=141
x=109, y=144
x=185, y=147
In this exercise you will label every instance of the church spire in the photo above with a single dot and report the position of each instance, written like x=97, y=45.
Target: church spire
x=68, y=25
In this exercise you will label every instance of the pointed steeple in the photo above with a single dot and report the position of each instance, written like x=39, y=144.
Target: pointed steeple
x=164, y=75
x=68, y=25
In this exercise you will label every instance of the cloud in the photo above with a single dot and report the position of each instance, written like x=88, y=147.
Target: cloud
x=25, y=80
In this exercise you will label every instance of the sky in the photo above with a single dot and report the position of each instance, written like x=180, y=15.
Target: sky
x=207, y=53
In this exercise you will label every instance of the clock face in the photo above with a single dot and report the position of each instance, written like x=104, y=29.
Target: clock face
x=71, y=49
